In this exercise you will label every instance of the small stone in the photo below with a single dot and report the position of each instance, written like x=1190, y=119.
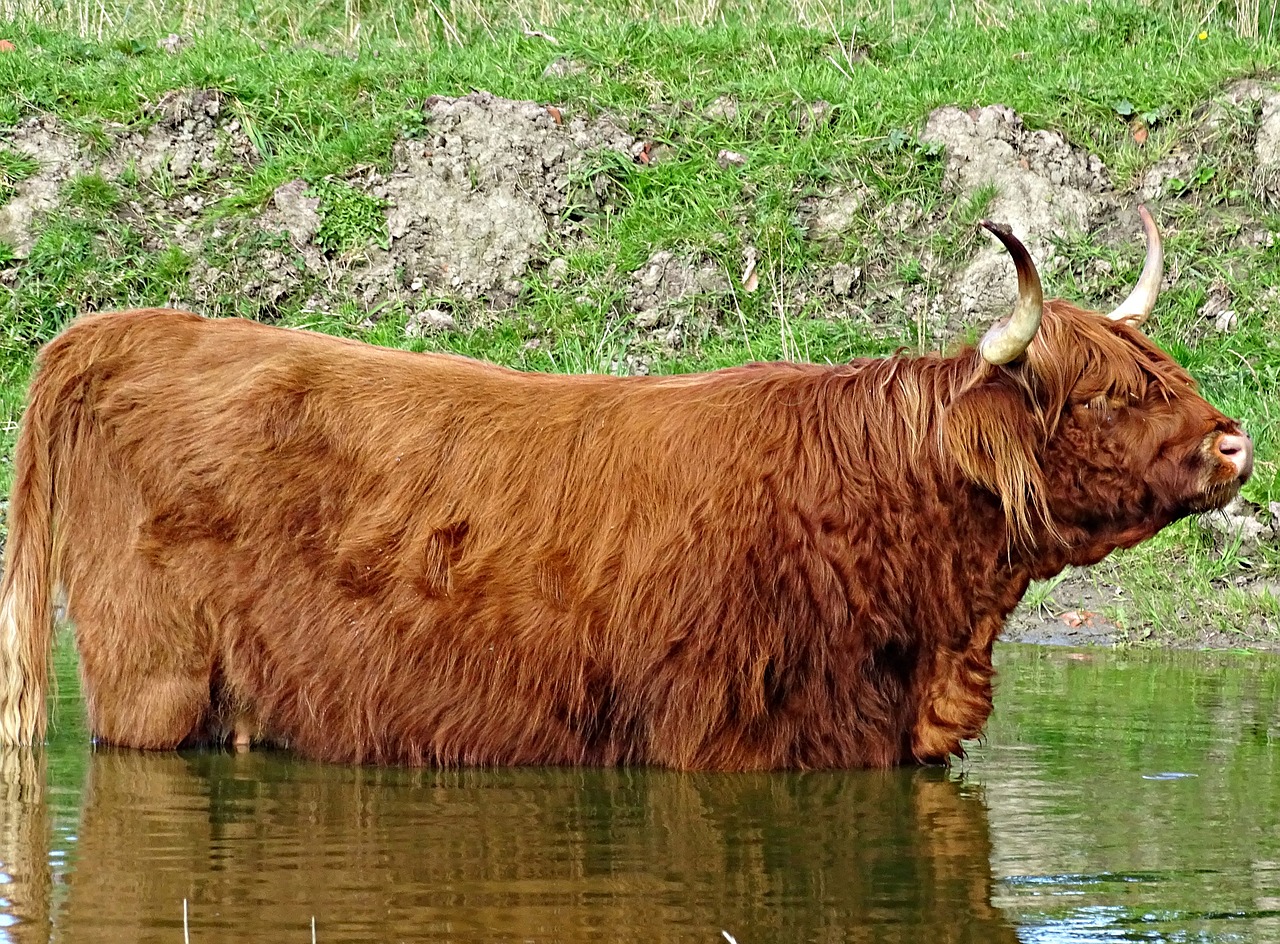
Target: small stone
x=557, y=269
x=1217, y=306
x=1236, y=522
x=831, y=216
x=563, y=66
x=430, y=321
x=814, y=115
x=723, y=108
x=727, y=158
x=843, y=278
x=184, y=155
x=660, y=152
x=300, y=213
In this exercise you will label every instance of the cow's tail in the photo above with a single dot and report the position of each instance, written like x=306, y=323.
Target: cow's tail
x=26, y=607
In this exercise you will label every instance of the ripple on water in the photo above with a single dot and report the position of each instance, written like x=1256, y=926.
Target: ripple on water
x=1124, y=797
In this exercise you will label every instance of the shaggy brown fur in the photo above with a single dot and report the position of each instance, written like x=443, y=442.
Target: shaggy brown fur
x=375, y=556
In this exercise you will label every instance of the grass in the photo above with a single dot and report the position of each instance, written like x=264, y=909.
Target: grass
x=15, y=167
x=349, y=218
x=325, y=91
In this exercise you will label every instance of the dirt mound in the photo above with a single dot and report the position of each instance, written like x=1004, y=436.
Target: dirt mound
x=193, y=135
x=193, y=140
x=468, y=206
x=1036, y=181
x=1236, y=137
x=489, y=189
x=1043, y=187
x=58, y=156
x=473, y=203
x=665, y=295
x=929, y=276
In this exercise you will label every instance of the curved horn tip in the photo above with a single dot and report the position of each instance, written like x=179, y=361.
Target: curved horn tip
x=1008, y=340
x=1137, y=307
x=1148, y=222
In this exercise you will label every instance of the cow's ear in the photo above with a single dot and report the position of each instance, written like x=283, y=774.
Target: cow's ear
x=991, y=434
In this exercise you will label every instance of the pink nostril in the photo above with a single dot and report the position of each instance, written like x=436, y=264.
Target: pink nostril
x=1238, y=450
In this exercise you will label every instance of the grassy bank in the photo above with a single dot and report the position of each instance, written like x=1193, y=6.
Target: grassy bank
x=745, y=136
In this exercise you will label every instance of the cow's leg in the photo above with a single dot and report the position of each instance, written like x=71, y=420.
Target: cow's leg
x=164, y=713
x=145, y=643
x=145, y=671
x=955, y=700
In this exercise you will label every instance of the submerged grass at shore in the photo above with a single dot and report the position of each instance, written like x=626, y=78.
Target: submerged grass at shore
x=327, y=91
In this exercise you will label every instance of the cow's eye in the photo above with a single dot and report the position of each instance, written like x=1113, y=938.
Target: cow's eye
x=1102, y=410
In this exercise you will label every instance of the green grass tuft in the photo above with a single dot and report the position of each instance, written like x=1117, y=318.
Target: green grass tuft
x=349, y=218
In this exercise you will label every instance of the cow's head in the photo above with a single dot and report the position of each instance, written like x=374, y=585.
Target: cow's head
x=1092, y=437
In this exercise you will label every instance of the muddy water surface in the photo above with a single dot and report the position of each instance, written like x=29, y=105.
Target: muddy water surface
x=1117, y=797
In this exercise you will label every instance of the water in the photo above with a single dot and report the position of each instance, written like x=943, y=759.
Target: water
x=1129, y=797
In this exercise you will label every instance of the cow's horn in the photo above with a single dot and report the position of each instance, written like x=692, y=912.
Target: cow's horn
x=1137, y=307
x=1007, y=340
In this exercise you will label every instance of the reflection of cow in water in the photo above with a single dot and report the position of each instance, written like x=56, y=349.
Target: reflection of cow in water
x=257, y=846
x=25, y=874
x=369, y=555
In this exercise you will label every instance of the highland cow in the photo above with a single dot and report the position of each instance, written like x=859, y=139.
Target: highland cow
x=368, y=555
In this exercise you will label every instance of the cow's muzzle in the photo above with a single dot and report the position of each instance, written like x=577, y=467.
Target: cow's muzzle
x=1236, y=449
